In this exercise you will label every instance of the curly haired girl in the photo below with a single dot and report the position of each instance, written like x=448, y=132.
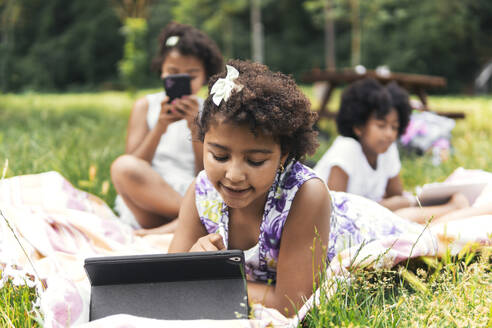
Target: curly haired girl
x=255, y=195
x=364, y=159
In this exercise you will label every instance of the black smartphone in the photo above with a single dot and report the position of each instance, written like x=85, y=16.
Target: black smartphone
x=177, y=85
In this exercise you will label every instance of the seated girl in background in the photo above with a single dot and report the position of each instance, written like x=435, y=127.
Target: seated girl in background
x=364, y=159
x=161, y=160
x=255, y=194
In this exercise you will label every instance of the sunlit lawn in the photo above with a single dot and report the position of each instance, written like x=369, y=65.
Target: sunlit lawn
x=70, y=133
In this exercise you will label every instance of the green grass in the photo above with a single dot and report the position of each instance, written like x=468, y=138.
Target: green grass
x=70, y=133
x=451, y=292
x=66, y=133
x=16, y=309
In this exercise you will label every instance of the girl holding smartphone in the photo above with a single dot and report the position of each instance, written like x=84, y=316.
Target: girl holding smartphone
x=161, y=157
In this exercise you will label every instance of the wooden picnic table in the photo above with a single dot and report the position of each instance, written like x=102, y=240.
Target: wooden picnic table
x=413, y=83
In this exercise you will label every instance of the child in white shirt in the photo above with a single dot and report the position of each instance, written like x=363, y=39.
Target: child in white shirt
x=346, y=154
x=364, y=160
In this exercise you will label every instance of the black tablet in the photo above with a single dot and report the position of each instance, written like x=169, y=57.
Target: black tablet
x=181, y=286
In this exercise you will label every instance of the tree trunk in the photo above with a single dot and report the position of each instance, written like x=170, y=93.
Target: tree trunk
x=228, y=37
x=256, y=31
x=356, y=33
x=330, y=62
x=8, y=20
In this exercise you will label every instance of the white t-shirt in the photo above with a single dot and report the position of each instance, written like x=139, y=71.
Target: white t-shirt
x=363, y=180
x=174, y=158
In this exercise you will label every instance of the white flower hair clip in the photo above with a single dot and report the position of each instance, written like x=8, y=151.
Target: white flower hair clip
x=172, y=41
x=223, y=87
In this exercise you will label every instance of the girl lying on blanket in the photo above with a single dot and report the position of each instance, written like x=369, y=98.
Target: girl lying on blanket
x=161, y=160
x=256, y=195
x=364, y=159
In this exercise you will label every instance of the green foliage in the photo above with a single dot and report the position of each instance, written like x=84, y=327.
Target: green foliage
x=280, y=32
x=292, y=43
x=448, y=38
x=133, y=66
x=226, y=21
x=60, y=44
x=158, y=17
x=430, y=37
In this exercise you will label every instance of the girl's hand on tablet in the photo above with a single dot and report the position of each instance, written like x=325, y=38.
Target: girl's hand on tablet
x=210, y=242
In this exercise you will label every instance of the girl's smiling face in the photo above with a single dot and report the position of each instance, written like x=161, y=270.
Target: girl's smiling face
x=240, y=165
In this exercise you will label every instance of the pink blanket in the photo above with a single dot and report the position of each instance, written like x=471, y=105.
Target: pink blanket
x=59, y=226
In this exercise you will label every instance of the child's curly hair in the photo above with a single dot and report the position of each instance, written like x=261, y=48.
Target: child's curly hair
x=366, y=97
x=270, y=103
x=399, y=98
x=191, y=42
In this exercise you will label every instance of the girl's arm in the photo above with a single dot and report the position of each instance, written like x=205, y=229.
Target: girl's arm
x=189, y=105
x=141, y=142
x=393, y=198
x=338, y=179
x=394, y=187
x=189, y=229
x=302, y=251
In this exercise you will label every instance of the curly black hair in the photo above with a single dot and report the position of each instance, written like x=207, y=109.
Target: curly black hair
x=191, y=42
x=270, y=103
x=400, y=100
x=366, y=97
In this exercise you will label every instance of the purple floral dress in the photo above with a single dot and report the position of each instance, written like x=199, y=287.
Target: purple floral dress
x=354, y=219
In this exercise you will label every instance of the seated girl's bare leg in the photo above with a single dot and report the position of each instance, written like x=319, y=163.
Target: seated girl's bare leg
x=153, y=201
x=423, y=214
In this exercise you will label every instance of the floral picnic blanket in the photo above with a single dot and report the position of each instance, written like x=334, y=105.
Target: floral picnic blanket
x=59, y=226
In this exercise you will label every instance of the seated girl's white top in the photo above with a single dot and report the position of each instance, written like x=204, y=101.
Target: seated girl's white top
x=174, y=158
x=363, y=180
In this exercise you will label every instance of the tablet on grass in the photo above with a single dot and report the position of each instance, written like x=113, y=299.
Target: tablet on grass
x=181, y=286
